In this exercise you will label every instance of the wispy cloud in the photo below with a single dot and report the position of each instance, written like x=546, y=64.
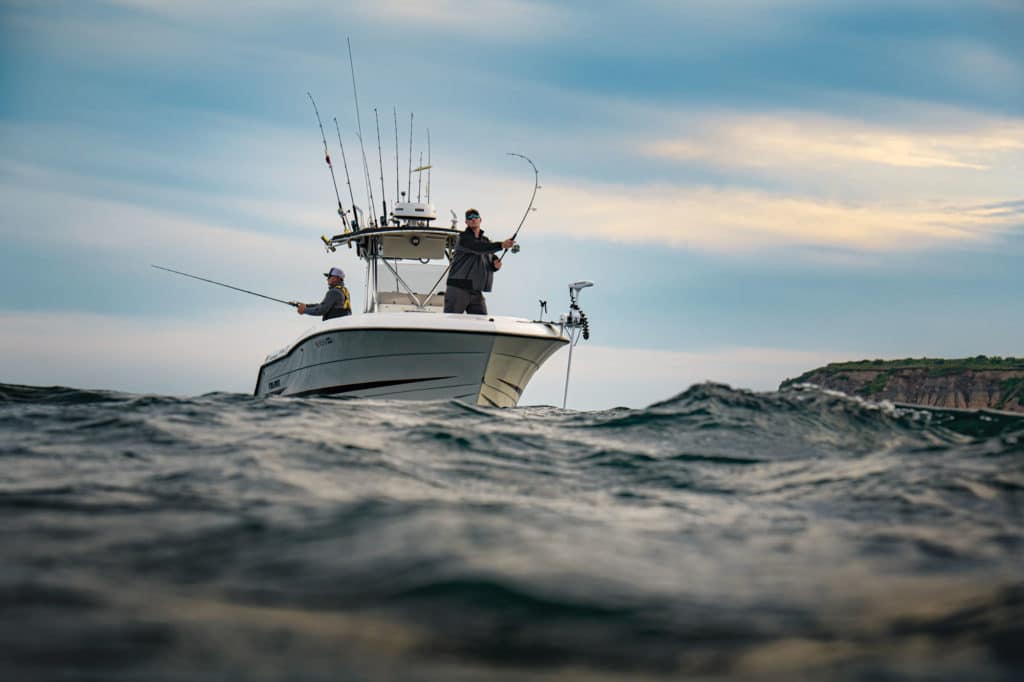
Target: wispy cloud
x=801, y=140
x=730, y=219
x=981, y=66
x=117, y=225
x=740, y=220
x=498, y=19
x=516, y=20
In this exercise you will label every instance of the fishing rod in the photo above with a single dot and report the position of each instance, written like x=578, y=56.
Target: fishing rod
x=380, y=162
x=359, y=125
x=398, y=194
x=529, y=208
x=327, y=157
x=221, y=284
x=348, y=180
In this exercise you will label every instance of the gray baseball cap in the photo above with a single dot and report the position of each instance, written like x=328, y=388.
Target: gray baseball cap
x=335, y=272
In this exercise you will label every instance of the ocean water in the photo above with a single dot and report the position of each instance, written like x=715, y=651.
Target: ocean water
x=720, y=534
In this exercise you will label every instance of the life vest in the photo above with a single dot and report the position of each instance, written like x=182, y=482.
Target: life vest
x=346, y=305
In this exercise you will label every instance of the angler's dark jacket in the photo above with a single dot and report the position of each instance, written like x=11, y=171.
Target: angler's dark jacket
x=336, y=303
x=472, y=268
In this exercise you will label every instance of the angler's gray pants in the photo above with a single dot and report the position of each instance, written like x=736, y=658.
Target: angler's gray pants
x=458, y=300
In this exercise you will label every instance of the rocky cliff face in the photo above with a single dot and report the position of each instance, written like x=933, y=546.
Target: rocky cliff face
x=967, y=388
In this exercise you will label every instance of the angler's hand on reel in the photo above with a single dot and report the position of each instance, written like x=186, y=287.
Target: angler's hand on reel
x=507, y=244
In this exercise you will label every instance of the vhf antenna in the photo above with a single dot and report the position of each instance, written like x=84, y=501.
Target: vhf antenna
x=419, y=178
x=327, y=157
x=359, y=125
x=380, y=162
x=428, y=165
x=348, y=180
x=408, y=185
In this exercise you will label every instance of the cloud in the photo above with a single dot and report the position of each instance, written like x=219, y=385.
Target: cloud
x=242, y=225
x=781, y=141
x=497, y=19
x=981, y=66
x=735, y=220
x=503, y=19
x=69, y=221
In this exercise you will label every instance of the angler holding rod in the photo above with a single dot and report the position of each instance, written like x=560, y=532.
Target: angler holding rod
x=472, y=269
x=474, y=263
x=337, y=302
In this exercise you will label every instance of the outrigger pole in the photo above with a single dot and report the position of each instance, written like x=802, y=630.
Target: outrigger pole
x=228, y=286
x=536, y=186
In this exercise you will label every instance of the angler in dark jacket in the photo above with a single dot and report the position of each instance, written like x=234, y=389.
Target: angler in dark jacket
x=336, y=301
x=472, y=269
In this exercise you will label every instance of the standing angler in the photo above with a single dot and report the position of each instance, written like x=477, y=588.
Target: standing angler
x=473, y=268
x=336, y=301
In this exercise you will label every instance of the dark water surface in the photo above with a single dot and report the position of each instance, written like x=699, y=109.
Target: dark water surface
x=717, y=535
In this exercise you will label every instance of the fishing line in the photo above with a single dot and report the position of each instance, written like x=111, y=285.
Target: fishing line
x=228, y=286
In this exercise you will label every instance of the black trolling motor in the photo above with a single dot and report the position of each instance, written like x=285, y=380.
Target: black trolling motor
x=576, y=325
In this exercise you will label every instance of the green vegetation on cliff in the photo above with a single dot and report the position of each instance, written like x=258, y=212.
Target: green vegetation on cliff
x=935, y=367
x=1010, y=389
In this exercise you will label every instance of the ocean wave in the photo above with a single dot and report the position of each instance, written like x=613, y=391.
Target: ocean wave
x=721, y=533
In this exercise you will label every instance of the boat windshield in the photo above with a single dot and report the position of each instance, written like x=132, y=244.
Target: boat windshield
x=406, y=285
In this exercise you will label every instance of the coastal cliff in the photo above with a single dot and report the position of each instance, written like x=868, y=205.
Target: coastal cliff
x=971, y=383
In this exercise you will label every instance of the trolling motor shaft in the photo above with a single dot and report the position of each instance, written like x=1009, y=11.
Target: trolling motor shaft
x=577, y=325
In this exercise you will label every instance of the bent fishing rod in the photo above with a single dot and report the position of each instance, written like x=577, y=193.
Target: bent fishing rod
x=228, y=286
x=529, y=208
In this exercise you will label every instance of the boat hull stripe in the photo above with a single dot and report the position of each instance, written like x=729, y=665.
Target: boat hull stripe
x=366, y=385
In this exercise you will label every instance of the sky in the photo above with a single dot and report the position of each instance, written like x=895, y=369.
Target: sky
x=756, y=188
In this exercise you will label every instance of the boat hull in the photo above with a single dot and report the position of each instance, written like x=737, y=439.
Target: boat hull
x=408, y=356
